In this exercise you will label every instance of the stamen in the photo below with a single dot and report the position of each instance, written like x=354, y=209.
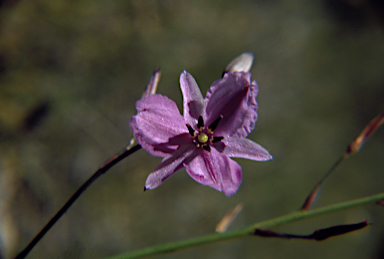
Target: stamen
x=214, y=124
x=216, y=139
x=207, y=147
x=200, y=122
x=191, y=131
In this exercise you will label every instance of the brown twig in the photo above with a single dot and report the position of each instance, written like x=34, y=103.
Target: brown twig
x=104, y=168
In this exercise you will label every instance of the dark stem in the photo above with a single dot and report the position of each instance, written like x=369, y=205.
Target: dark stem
x=104, y=168
x=311, y=197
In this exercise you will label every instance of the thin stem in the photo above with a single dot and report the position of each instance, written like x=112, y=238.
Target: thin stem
x=314, y=193
x=246, y=231
x=104, y=168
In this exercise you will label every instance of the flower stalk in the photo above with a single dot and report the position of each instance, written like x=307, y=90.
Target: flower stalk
x=107, y=165
x=130, y=149
x=249, y=230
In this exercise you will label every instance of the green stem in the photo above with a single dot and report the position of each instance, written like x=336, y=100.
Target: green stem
x=247, y=231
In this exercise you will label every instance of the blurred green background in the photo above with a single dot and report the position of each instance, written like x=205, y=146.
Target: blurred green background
x=71, y=71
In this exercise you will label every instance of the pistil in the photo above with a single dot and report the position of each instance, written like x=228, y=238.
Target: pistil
x=202, y=138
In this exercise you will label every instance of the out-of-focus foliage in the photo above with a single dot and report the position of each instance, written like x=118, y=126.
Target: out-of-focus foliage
x=70, y=72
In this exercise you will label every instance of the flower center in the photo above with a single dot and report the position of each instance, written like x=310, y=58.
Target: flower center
x=204, y=136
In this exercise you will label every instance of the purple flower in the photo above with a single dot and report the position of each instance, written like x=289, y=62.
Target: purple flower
x=211, y=131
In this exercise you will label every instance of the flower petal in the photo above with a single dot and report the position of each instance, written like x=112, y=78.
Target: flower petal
x=194, y=103
x=234, y=98
x=245, y=148
x=168, y=166
x=157, y=121
x=215, y=170
x=241, y=63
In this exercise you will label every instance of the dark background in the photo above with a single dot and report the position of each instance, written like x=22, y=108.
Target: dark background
x=71, y=71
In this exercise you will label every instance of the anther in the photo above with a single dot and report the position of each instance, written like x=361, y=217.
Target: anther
x=207, y=147
x=200, y=123
x=191, y=131
x=214, y=124
x=216, y=139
